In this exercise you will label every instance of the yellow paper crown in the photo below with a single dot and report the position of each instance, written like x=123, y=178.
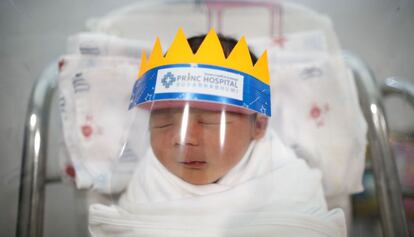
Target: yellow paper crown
x=209, y=52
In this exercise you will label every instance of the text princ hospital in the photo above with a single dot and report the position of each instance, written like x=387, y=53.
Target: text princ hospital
x=200, y=80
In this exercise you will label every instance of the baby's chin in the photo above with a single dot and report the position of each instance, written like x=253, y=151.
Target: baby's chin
x=201, y=179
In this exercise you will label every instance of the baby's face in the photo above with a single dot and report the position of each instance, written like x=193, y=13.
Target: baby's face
x=201, y=146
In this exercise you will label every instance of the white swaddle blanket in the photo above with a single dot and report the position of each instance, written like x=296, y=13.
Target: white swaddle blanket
x=269, y=192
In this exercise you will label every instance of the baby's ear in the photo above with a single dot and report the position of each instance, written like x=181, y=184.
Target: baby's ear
x=260, y=126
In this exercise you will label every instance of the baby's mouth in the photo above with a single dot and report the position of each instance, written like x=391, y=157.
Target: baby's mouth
x=194, y=164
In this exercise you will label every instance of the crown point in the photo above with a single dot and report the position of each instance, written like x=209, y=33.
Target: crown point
x=179, y=50
x=210, y=49
x=157, y=45
x=212, y=31
x=180, y=34
x=239, y=57
x=142, y=68
x=261, y=69
x=156, y=57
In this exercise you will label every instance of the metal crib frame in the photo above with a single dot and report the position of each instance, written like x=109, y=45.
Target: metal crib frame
x=33, y=168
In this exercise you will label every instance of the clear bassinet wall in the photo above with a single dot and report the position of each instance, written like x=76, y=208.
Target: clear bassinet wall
x=327, y=108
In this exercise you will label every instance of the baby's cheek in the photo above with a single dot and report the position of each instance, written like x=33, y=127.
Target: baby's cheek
x=158, y=143
x=237, y=142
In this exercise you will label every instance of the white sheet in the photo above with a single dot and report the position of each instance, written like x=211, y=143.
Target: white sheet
x=269, y=193
x=95, y=81
x=94, y=94
x=315, y=109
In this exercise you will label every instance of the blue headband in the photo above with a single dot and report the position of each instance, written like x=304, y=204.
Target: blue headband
x=202, y=83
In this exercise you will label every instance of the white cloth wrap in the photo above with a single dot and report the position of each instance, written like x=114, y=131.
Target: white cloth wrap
x=94, y=95
x=315, y=108
x=95, y=81
x=270, y=192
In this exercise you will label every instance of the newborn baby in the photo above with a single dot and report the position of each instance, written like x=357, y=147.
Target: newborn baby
x=213, y=167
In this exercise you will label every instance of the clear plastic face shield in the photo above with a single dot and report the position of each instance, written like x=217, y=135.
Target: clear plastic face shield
x=199, y=145
x=196, y=121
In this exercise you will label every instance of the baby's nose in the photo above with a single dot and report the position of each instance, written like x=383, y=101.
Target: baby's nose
x=189, y=134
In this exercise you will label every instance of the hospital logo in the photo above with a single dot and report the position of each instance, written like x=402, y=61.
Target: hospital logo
x=168, y=79
x=198, y=80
